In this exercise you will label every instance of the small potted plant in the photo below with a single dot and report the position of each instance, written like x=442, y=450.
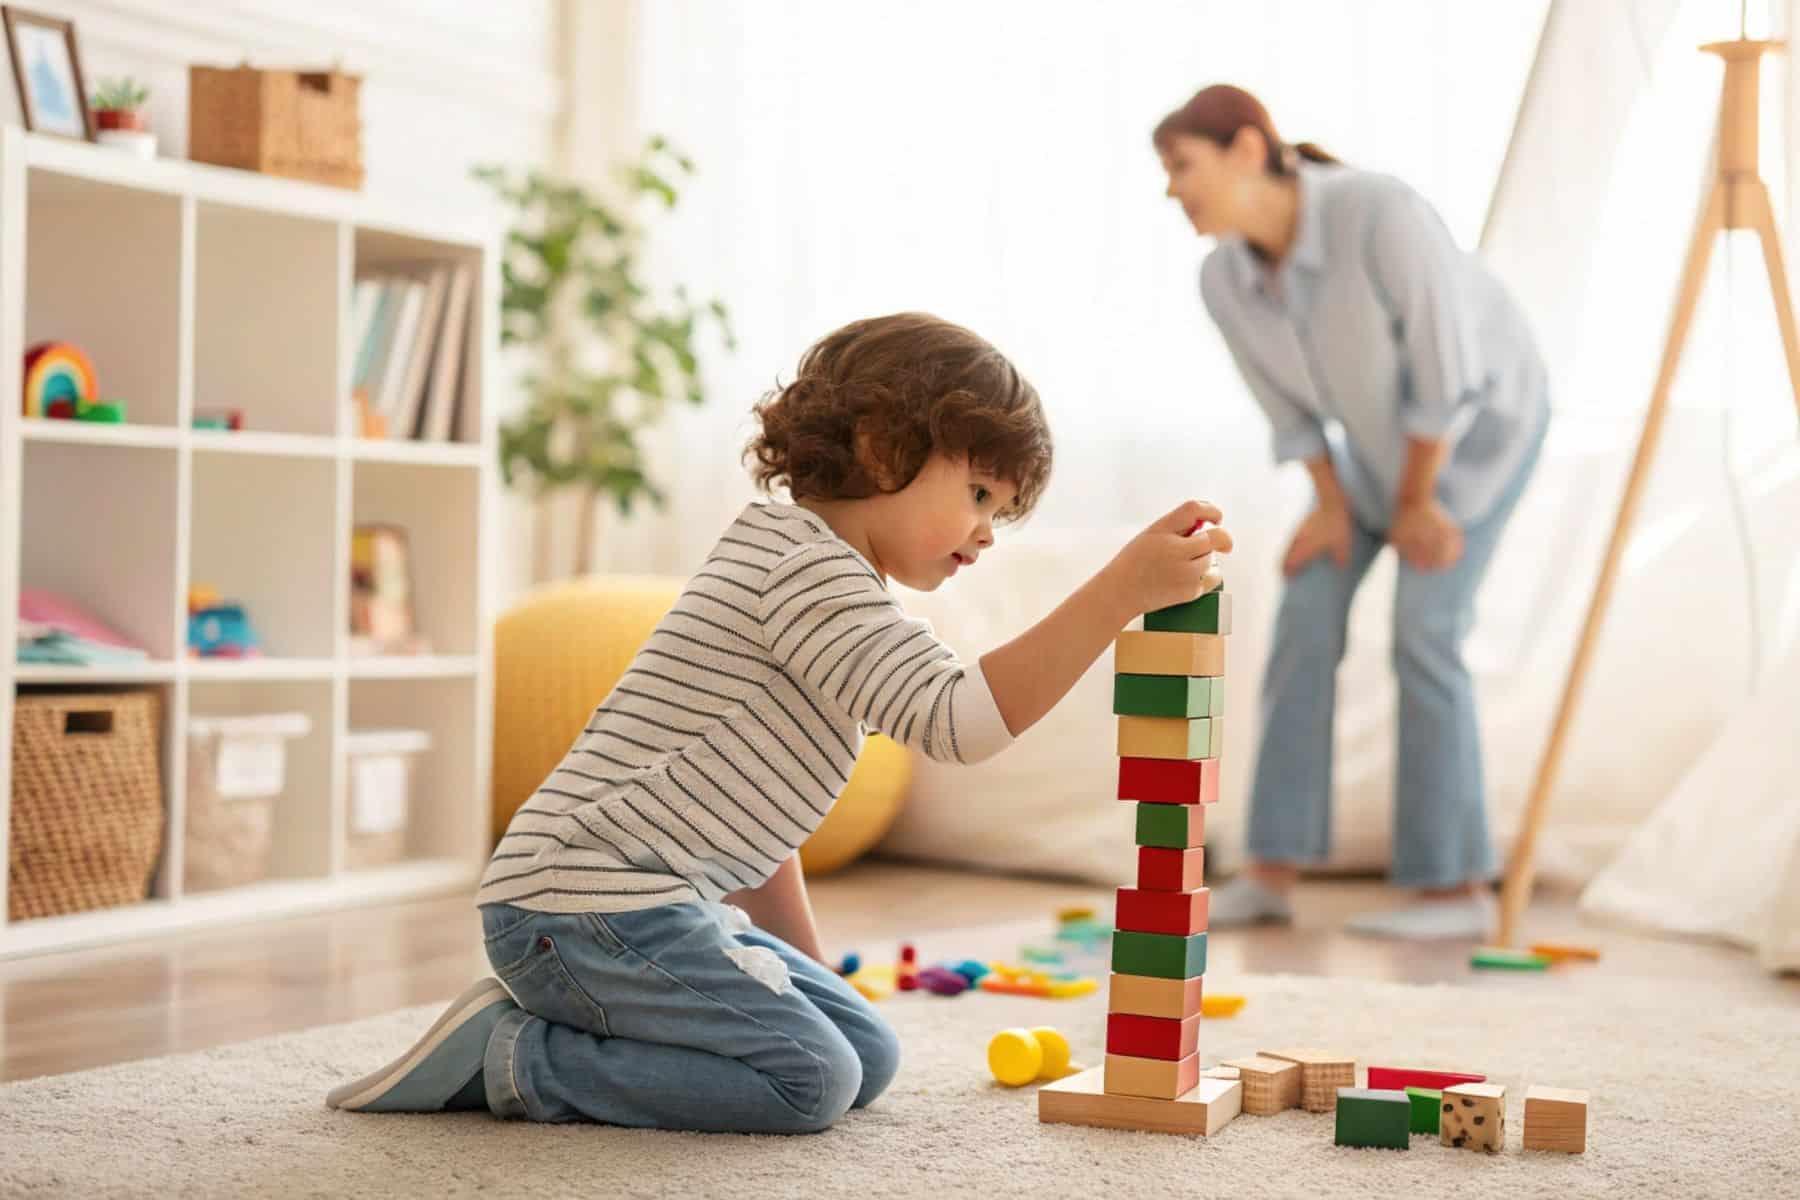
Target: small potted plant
x=119, y=116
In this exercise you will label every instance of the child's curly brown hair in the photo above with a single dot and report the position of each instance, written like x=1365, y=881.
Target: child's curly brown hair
x=903, y=386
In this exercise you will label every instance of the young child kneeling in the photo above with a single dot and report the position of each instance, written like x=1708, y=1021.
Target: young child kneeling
x=628, y=992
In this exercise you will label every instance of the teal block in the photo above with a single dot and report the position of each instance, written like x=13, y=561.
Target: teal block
x=1425, y=1102
x=1168, y=695
x=1375, y=1118
x=1164, y=955
x=1210, y=613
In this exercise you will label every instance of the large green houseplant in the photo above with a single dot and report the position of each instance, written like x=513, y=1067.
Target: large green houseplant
x=605, y=353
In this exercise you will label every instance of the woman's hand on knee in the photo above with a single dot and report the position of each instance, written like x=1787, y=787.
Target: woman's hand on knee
x=1325, y=531
x=1426, y=536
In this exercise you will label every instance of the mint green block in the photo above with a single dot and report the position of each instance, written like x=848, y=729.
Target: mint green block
x=1168, y=696
x=1374, y=1118
x=1425, y=1111
x=1210, y=613
x=1164, y=955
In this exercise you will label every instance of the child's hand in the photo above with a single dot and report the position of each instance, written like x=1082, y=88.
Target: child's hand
x=1166, y=564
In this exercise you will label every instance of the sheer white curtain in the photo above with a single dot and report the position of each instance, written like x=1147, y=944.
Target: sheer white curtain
x=990, y=162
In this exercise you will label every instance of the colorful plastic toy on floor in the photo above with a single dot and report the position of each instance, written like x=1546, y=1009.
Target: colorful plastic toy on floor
x=1498, y=958
x=1017, y=1057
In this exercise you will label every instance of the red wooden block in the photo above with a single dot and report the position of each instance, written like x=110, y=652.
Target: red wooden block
x=1152, y=1037
x=1161, y=870
x=1399, y=1078
x=1162, y=912
x=1169, y=780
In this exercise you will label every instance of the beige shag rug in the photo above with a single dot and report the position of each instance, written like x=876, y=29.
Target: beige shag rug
x=1684, y=1103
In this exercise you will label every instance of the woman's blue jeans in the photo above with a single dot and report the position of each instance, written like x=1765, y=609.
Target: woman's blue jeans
x=1440, y=809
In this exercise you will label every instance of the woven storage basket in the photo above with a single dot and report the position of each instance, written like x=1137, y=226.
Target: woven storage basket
x=87, y=805
x=298, y=124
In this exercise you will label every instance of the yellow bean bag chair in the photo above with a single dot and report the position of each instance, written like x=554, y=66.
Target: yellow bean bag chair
x=561, y=649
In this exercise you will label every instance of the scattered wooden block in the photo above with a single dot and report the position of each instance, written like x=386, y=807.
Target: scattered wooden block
x=1271, y=1085
x=1161, y=954
x=1321, y=1075
x=1558, y=952
x=1140, y=653
x=1556, y=1119
x=1171, y=826
x=1169, y=781
x=1425, y=1104
x=1158, y=1078
x=1161, y=870
x=1473, y=1117
x=1210, y=613
x=1400, y=1078
x=1219, y=1073
x=1169, y=695
x=1081, y=1100
x=1139, y=1036
x=1170, y=737
x=1374, y=1117
x=1162, y=912
x=1154, y=996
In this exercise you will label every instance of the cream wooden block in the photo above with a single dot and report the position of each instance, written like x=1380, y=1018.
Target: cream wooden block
x=1219, y=1073
x=1271, y=1085
x=1082, y=1100
x=1140, y=653
x=1163, y=1079
x=1169, y=737
x=1474, y=1117
x=1321, y=1075
x=1556, y=1119
x=1153, y=996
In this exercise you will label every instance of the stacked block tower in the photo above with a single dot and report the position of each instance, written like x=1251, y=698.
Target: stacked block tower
x=1169, y=697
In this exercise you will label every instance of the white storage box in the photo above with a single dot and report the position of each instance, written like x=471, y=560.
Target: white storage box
x=236, y=770
x=381, y=774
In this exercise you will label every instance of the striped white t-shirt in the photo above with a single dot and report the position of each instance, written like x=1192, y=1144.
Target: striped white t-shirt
x=736, y=726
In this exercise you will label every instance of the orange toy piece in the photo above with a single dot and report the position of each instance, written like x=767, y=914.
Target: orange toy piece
x=1559, y=953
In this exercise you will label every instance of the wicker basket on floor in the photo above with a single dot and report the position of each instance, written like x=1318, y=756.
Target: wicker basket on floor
x=87, y=803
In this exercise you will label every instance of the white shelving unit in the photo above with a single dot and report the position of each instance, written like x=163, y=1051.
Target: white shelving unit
x=194, y=287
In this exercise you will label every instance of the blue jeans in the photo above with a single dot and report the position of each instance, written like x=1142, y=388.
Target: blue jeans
x=1440, y=809
x=678, y=1017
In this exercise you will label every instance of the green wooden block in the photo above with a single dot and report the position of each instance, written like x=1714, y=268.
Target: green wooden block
x=1169, y=825
x=1374, y=1117
x=1164, y=955
x=1211, y=613
x=1168, y=695
x=1424, y=1103
x=1494, y=958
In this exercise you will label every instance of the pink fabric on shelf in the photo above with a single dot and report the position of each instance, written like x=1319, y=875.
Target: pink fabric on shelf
x=48, y=608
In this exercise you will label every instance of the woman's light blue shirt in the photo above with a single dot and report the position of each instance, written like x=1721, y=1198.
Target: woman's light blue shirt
x=1377, y=326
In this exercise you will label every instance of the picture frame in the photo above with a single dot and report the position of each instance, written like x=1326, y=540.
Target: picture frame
x=46, y=64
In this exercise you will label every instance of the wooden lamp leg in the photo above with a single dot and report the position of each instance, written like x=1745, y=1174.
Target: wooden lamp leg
x=1764, y=220
x=1516, y=891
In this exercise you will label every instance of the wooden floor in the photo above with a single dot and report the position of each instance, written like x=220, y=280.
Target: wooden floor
x=69, y=1012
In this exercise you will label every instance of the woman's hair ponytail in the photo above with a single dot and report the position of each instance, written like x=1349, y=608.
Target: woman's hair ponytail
x=1218, y=112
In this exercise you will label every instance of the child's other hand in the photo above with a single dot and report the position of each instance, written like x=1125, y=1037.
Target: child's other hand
x=1166, y=564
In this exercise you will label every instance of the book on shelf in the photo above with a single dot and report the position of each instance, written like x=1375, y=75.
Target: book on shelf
x=411, y=328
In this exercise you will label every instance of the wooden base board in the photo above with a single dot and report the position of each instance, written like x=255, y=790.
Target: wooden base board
x=1082, y=1100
